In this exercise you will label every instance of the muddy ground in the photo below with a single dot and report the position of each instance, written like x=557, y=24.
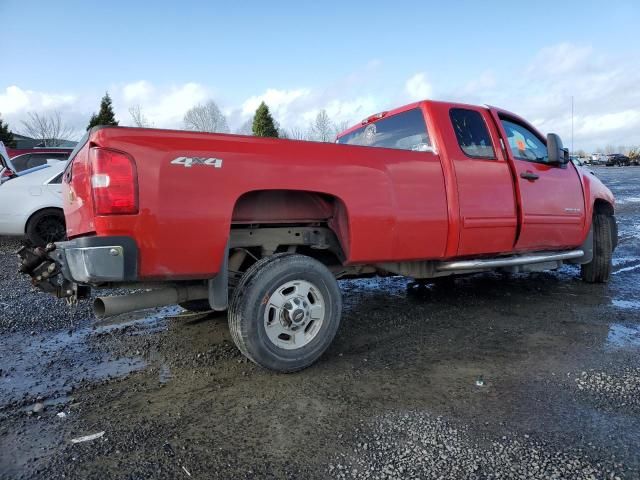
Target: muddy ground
x=524, y=376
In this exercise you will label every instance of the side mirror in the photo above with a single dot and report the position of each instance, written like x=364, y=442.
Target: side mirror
x=556, y=153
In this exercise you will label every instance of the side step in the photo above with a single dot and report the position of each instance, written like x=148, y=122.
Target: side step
x=481, y=264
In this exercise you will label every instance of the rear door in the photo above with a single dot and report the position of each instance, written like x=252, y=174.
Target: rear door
x=54, y=188
x=551, y=198
x=486, y=199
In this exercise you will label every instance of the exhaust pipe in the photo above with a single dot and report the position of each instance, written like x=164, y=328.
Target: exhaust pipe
x=115, y=305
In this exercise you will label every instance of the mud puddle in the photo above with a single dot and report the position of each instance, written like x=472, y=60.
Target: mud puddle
x=48, y=366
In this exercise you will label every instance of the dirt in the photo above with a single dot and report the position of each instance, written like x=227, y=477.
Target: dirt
x=490, y=375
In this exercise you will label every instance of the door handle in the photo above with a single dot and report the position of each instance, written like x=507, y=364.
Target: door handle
x=529, y=176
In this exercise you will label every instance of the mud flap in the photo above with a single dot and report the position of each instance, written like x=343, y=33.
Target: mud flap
x=219, y=285
x=587, y=248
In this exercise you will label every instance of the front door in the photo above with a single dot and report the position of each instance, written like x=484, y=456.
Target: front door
x=551, y=199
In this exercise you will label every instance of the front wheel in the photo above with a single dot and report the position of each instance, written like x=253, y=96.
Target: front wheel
x=599, y=269
x=285, y=312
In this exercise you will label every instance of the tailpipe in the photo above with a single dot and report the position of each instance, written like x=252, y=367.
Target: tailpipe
x=115, y=305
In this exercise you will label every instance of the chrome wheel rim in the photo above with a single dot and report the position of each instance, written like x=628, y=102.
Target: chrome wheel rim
x=294, y=314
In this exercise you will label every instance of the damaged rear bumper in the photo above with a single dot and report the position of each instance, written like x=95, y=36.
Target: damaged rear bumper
x=63, y=267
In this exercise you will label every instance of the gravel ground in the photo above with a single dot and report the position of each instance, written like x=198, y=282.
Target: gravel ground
x=26, y=309
x=417, y=445
x=619, y=389
x=489, y=376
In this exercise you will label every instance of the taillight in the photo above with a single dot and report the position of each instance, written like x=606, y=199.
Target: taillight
x=114, y=182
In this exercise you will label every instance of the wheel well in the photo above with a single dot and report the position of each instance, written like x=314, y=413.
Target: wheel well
x=316, y=241
x=270, y=210
x=46, y=209
x=602, y=207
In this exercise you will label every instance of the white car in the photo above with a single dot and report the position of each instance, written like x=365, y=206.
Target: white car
x=31, y=205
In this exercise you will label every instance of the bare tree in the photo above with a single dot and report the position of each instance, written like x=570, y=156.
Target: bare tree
x=139, y=119
x=283, y=132
x=49, y=129
x=321, y=129
x=246, y=128
x=340, y=127
x=609, y=149
x=206, y=118
x=297, y=133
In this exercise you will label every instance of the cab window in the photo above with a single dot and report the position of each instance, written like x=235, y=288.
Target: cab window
x=471, y=133
x=403, y=131
x=524, y=144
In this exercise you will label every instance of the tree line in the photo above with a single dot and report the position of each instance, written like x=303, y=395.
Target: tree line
x=52, y=131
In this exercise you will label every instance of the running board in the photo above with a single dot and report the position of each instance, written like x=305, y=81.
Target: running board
x=481, y=264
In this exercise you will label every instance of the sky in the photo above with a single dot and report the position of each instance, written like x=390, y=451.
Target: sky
x=351, y=58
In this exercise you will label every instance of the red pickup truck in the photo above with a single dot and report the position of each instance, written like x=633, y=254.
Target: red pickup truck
x=264, y=226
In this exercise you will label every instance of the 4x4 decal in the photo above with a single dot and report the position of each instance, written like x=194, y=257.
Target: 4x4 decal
x=192, y=161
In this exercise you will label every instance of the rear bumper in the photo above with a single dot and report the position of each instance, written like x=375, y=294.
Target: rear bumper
x=94, y=260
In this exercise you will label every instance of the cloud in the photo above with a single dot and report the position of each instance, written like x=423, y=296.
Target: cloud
x=604, y=91
x=561, y=59
x=480, y=84
x=606, y=97
x=15, y=99
x=137, y=91
x=345, y=110
x=164, y=107
x=278, y=100
x=418, y=88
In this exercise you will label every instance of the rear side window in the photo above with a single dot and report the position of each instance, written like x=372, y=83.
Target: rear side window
x=471, y=132
x=57, y=179
x=403, y=131
x=21, y=162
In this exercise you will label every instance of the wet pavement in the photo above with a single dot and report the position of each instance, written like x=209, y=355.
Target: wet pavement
x=489, y=376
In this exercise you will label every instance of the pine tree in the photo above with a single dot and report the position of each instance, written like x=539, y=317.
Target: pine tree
x=105, y=116
x=6, y=136
x=263, y=124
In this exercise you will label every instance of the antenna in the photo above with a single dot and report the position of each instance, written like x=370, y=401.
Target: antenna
x=572, y=152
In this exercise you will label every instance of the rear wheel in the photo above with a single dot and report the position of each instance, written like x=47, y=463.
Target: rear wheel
x=599, y=269
x=46, y=226
x=285, y=312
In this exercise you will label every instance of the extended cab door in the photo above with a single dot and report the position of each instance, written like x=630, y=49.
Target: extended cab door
x=482, y=179
x=551, y=200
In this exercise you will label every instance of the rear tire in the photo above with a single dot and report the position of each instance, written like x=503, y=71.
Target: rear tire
x=599, y=269
x=285, y=312
x=46, y=226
